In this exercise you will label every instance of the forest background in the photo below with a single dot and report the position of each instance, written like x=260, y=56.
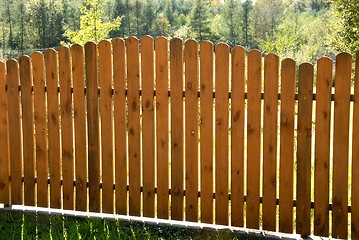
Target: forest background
x=301, y=29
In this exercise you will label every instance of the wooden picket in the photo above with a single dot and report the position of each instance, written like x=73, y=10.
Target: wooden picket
x=132, y=126
x=27, y=130
x=271, y=77
x=4, y=140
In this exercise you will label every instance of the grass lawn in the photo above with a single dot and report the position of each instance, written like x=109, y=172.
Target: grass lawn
x=19, y=225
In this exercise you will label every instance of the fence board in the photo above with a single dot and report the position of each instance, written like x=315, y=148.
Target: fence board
x=343, y=69
x=12, y=79
x=4, y=140
x=162, y=127
x=177, y=130
x=253, y=138
x=206, y=131
x=119, y=77
x=237, y=136
x=304, y=148
x=91, y=65
x=134, y=147
x=66, y=128
x=53, y=127
x=271, y=76
x=355, y=159
x=221, y=138
x=80, y=126
x=28, y=130
x=322, y=147
x=191, y=129
x=106, y=125
x=288, y=84
x=148, y=126
x=38, y=71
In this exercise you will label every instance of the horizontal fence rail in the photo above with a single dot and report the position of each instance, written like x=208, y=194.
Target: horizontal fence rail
x=184, y=131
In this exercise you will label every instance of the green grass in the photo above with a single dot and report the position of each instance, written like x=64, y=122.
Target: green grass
x=19, y=225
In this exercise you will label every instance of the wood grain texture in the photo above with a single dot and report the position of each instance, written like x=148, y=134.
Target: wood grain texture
x=119, y=78
x=221, y=138
x=253, y=138
x=66, y=127
x=322, y=146
x=134, y=135
x=38, y=71
x=288, y=84
x=4, y=140
x=106, y=125
x=91, y=65
x=80, y=126
x=343, y=69
x=206, y=131
x=237, y=136
x=162, y=127
x=12, y=79
x=177, y=129
x=304, y=148
x=355, y=156
x=148, y=126
x=271, y=76
x=191, y=129
x=52, y=83
x=27, y=130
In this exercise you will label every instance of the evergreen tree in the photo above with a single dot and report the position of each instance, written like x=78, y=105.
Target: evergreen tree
x=230, y=15
x=119, y=10
x=247, y=7
x=149, y=14
x=199, y=21
x=137, y=17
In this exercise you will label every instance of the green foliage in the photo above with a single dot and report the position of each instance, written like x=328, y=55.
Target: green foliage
x=91, y=26
x=344, y=25
x=199, y=21
x=301, y=36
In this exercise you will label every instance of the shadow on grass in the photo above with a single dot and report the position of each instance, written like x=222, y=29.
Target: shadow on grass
x=20, y=225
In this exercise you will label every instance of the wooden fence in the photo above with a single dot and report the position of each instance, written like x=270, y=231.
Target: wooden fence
x=189, y=134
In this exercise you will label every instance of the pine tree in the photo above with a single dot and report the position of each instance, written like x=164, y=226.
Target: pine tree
x=230, y=15
x=199, y=21
x=149, y=14
x=247, y=7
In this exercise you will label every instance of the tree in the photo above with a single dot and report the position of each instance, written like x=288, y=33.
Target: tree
x=149, y=14
x=45, y=23
x=230, y=17
x=91, y=26
x=344, y=27
x=199, y=21
x=247, y=7
x=266, y=17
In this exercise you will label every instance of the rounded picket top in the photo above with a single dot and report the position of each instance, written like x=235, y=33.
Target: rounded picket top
x=104, y=44
x=132, y=40
x=238, y=48
x=50, y=52
x=206, y=44
x=63, y=48
x=147, y=38
x=191, y=42
x=254, y=52
x=24, y=58
x=288, y=62
x=306, y=65
x=221, y=47
x=161, y=41
x=2, y=64
x=11, y=63
x=37, y=55
x=117, y=40
x=343, y=55
x=324, y=60
x=176, y=40
x=271, y=56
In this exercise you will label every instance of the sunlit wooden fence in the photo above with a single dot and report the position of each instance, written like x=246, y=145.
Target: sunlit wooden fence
x=177, y=130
